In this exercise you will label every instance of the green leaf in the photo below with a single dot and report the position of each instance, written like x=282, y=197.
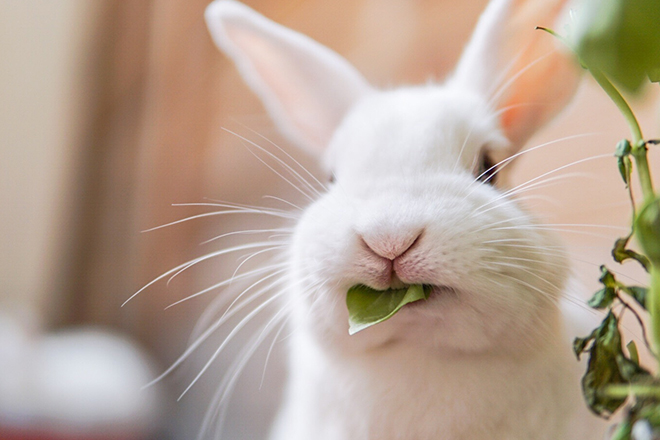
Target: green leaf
x=623, y=148
x=648, y=230
x=603, y=298
x=623, y=431
x=580, y=344
x=632, y=350
x=625, y=168
x=621, y=254
x=620, y=38
x=638, y=293
x=367, y=306
x=608, y=365
x=607, y=278
x=654, y=74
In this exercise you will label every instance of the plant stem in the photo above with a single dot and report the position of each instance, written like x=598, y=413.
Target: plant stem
x=638, y=144
x=621, y=391
x=653, y=304
x=644, y=173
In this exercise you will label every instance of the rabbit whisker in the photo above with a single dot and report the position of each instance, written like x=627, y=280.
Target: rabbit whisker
x=215, y=254
x=286, y=166
x=293, y=159
x=249, y=232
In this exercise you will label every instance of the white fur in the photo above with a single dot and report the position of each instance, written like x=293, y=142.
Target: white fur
x=485, y=358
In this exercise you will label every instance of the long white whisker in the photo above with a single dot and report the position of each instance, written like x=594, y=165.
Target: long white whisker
x=214, y=254
x=195, y=260
x=213, y=328
x=215, y=213
x=270, y=351
x=248, y=232
x=229, y=382
x=254, y=254
x=286, y=166
x=279, y=199
x=289, y=157
x=221, y=300
x=515, y=77
x=504, y=162
x=601, y=156
x=215, y=286
x=223, y=204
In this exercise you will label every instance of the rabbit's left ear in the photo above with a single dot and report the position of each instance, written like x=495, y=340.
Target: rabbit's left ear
x=520, y=70
x=306, y=87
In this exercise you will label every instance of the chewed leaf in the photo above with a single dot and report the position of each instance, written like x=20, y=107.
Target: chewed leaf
x=367, y=306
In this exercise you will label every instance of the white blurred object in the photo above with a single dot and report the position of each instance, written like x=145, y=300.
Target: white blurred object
x=81, y=381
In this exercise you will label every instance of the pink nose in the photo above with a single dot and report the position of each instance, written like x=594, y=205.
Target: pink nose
x=390, y=246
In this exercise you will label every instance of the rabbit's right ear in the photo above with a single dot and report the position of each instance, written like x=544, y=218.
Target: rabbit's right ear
x=306, y=87
x=520, y=70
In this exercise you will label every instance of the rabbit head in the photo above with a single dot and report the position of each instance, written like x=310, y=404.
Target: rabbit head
x=415, y=196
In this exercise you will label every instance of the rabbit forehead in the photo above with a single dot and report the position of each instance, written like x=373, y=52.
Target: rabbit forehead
x=412, y=130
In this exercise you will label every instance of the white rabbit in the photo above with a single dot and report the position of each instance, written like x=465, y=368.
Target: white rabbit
x=412, y=201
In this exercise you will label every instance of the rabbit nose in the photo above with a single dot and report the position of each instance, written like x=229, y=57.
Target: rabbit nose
x=390, y=246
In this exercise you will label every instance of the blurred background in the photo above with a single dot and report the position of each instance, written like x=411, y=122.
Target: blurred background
x=112, y=112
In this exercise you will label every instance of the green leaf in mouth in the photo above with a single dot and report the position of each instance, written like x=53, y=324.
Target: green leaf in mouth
x=367, y=306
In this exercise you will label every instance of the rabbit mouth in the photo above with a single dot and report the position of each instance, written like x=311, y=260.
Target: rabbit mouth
x=437, y=293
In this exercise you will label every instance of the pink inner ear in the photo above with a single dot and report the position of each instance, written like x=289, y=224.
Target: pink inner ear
x=548, y=81
x=538, y=94
x=285, y=84
x=533, y=79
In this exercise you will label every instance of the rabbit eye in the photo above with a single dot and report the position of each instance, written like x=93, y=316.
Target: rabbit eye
x=486, y=171
x=331, y=178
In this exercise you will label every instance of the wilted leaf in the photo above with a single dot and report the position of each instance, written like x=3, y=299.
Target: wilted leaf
x=607, y=366
x=367, y=306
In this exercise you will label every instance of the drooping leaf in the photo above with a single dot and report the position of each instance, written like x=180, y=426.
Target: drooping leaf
x=608, y=365
x=621, y=254
x=622, y=153
x=367, y=306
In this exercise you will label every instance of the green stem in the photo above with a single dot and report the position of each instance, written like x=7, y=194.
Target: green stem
x=638, y=144
x=621, y=391
x=653, y=305
x=644, y=173
x=621, y=103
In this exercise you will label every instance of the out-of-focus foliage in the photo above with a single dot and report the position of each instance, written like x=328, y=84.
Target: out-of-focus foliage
x=621, y=38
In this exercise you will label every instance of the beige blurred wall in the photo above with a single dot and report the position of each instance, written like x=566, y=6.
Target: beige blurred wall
x=43, y=48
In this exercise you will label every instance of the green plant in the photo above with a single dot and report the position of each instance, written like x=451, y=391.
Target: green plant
x=618, y=41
